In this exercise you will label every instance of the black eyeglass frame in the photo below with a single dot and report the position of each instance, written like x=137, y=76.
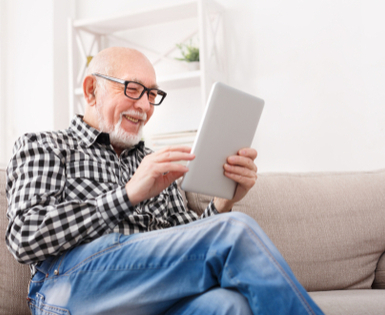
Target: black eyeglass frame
x=125, y=83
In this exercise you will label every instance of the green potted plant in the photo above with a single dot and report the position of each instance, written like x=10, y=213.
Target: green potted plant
x=190, y=55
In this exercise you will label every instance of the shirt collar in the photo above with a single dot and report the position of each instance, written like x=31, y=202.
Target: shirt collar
x=88, y=135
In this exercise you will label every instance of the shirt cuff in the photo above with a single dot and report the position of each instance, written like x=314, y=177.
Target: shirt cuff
x=114, y=206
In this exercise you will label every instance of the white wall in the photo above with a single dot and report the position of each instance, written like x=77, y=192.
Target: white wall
x=29, y=75
x=2, y=96
x=27, y=66
x=319, y=66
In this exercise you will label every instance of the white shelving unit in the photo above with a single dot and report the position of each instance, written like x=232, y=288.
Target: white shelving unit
x=88, y=36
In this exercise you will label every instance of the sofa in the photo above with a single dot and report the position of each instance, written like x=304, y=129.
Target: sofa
x=330, y=228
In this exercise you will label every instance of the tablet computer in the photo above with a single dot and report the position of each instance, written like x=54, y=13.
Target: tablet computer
x=229, y=124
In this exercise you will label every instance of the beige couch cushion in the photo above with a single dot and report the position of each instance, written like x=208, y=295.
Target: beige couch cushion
x=330, y=227
x=351, y=302
x=15, y=277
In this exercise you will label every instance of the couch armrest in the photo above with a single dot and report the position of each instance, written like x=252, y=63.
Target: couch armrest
x=14, y=277
x=379, y=280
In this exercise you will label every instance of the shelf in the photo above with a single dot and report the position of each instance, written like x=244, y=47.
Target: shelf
x=139, y=18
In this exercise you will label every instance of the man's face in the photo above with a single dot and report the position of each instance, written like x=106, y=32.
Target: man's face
x=120, y=116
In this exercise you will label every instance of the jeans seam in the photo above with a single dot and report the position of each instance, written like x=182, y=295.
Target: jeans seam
x=90, y=258
x=140, y=268
x=279, y=268
x=116, y=246
x=61, y=260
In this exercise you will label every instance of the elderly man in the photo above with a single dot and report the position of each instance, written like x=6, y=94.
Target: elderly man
x=99, y=218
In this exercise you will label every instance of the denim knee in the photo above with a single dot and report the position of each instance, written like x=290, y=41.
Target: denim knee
x=226, y=302
x=246, y=223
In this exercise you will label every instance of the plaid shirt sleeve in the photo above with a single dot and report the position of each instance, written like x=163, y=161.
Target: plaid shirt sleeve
x=41, y=223
x=178, y=214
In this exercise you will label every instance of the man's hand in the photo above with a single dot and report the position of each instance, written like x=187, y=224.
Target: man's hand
x=156, y=172
x=241, y=169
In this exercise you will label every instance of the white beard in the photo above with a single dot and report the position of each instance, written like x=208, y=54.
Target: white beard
x=118, y=136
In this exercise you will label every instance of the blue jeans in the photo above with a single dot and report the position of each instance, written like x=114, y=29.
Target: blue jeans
x=221, y=265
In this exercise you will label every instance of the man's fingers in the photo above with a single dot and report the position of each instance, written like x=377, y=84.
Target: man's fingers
x=246, y=182
x=176, y=148
x=241, y=171
x=242, y=161
x=248, y=152
x=173, y=154
x=165, y=168
x=241, y=168
x=174, y=157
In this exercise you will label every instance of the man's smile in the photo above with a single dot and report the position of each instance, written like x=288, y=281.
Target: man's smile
x=132, y=119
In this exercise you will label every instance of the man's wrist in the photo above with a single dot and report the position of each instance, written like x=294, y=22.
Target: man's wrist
x=223, y=205
x=131, y=196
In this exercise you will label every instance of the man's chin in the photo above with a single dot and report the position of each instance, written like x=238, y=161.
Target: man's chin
x=120, y=137
x=124, y=140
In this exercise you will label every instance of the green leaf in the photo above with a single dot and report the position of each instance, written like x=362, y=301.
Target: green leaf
x=190, y=53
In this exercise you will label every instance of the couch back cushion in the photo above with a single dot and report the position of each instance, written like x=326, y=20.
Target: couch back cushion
x=14, y=277
x=330, y=227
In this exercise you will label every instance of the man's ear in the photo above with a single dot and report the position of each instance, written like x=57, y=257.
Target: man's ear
x=89, y=85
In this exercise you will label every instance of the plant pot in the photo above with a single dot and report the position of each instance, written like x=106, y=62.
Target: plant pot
x=192, y=66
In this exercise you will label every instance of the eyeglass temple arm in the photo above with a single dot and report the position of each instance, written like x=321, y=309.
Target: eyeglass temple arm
x=109, y=78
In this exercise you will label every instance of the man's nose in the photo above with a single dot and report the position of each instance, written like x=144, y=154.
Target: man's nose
x=143, y=103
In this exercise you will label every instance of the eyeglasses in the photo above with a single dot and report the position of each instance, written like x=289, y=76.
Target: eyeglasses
x=135, y=90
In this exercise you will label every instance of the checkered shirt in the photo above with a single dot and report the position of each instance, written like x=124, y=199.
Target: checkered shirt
x=66, y=188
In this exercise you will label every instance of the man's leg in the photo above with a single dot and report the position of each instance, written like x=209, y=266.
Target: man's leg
x=149, y=273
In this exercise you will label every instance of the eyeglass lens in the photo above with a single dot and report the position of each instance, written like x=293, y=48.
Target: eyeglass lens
x=134, y=90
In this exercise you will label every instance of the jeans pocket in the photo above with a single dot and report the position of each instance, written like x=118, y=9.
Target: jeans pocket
x=39, y=307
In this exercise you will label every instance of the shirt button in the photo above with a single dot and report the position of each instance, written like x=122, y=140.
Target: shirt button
x=56, y=272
